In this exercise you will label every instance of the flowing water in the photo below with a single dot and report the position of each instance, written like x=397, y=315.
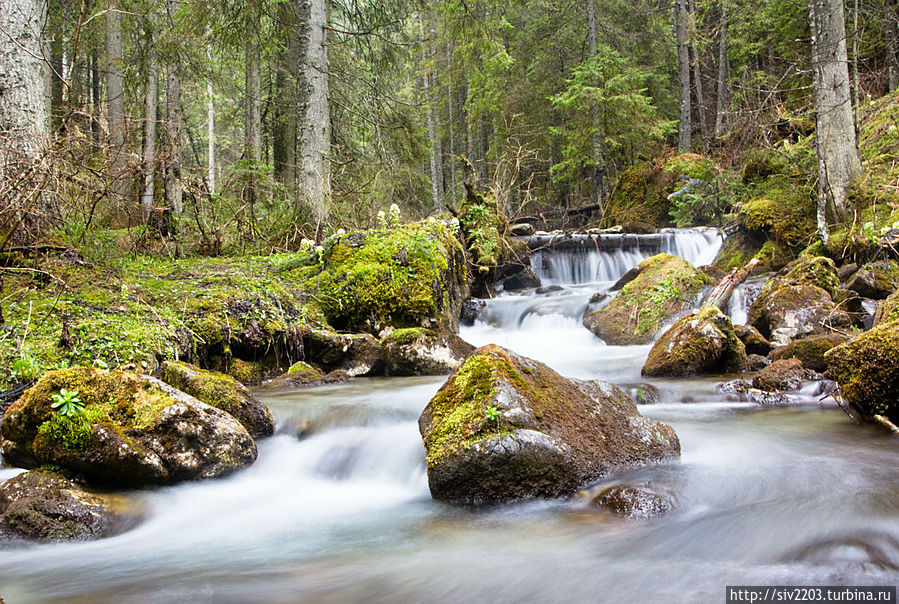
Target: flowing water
x=794, y=495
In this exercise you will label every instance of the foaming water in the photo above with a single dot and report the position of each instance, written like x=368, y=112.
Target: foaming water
x=742, y=298
x=795, y=495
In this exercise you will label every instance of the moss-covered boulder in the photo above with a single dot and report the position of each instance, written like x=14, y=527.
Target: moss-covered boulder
x=414, y=275
x=798, y=302
x=782, y=375
x=302, y=374
x=753, y=340
x=782, y=210
x=665, y=286
x=876, y=280
x=132, y=430
x=222, y=392
x=703, y=342
x=867, y=370
x=416, y=351
x=504, y=427
x=887, y=310
x=358, y=354
x=810, y=351
x=641, y=195
x=45, y=505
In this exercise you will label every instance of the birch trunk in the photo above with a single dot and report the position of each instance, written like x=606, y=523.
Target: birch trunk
x=314, y=126
x=210, y=130
x=151, y=107
x=838, y=154
x=685, y=126
x=436, y=152
x=115, y=110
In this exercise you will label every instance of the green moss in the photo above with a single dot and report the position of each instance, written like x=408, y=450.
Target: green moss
x=641, y=195
x=698, y=167
x=71, y=433
x=687, y=348
x=813, y=270
x=485, y=228
x=404, y=336
x=759, y=164
x=211, y=387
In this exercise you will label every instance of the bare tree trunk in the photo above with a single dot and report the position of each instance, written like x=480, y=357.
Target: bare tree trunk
x=210, y=129
x=722, y=293
x=838, y=154
x=57, y=83
x=697, y=75
x=685, y=126
x=284, y=143
x=436, y=152
x=314, y=126
x=95, y=96
x=151, y=109
x=252, y=109
x=115, y=110
x=24, y=118
x=892, y=42
x=722, y=73
x=173, y=187
x=452, y=140
x=599, y=170
x=855, y=64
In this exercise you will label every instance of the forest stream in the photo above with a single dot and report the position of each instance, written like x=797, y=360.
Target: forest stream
x=790, y=495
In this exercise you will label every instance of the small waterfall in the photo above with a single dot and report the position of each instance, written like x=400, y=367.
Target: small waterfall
x=699, y=246
x=741, y=299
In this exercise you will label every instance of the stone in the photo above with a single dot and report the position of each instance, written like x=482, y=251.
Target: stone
x=887, y=310
x=523, y=279
x=416, y=351
x=756, y=362
x=359, y=354
x=132, y=430
x=641, y=501
x=548, y=289
x=522, y=229
x=782, y=375
x=876, y=280
x=504, y=427
x=471, y=308
x=809, y=350
x=222, y=392
x=703, y=342
x=45, y=505
x=753, y=340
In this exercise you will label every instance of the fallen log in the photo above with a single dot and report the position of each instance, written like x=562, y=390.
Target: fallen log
x=720, y=296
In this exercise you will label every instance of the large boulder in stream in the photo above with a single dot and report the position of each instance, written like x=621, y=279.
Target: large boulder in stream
x=876, y=280
x=660, y=287
x=222, y=392
x=505, y=427
x=798, y=302
x=887, y=310
x=867, y=370
x=358, y=354
x=416, y=351
x=131, y=430
x=703, y=342
x=45, y=505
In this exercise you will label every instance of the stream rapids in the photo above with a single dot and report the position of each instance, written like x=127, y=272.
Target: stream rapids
x=794, y=495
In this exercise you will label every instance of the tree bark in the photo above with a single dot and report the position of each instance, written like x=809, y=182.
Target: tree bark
x=284, y=143
x=115, y=110
x=210, y=130
x=173, y=187
x=722, y=73
x=151, y=107
x=891, y=35
x=24, y=119
x=697, y=75
x=436, y=151
x=314, y=126
x=599, y=170
x=252, y=109
x=685, y=125
x=722, y=293
x=838, y=157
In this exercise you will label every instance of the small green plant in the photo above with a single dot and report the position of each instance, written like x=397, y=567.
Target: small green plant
x=67, y=402
x=492, y=415
x=25, y=369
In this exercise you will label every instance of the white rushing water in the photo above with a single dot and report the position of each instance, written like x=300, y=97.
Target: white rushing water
x=796, y=495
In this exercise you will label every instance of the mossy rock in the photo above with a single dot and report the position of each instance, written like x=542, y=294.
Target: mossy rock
x=867, y=371
x=812, y=270
x=665, y=286
x=783, y=210
x=414, y=275
x=737, y=250
x=485, y=228
x=703, y=342
x=810, y=351
x=641, y=196
x=523, y=279
x=46, y=505
x=132, y=430
x=504, y=427
x=781, y=375
x=760, y=163
x=422, y=352
x=222, y=392
x=753, y=340
x=887, y=310
x=876, y=280
x=358, y=354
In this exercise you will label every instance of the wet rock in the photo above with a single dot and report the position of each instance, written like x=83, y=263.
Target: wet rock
x=522, y=229
x=876, y=281
x=504, y=427
x=646, y=394
x=45, y=505
x=635, y=501
x=133, y=430
x=222, y=392
x=302, y=374
x=846, y=271
x=887, y=310
x=756, y=362
x=742, y=390
x=702, y=342
x=358, y=354
x=548, y=289
x=665, y=286
x=868, y=373
x=860, y=549
x=639, y=228
x=753, y=340
x=734, y=387
x=785, y=374
x=471, y=308
x=523, y=279
x=416, y=351
x=298, y=427
x=810, y=351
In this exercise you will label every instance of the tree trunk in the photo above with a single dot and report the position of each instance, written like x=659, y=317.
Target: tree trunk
x=722, y=73
x=838, y=157
x=722, y=293
x=599, y=170
x=284, y=144
x=96, y=130
x=24, y=120
x=57, y=83
x=314, y=126
x=685, y=126
x=891, y=35
x=252, y=110
x=697, y=75
x=115, y=94
x=173, y=187
x=451, y=157
x=436, y=152
x=151, y=107
x=210, y=129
